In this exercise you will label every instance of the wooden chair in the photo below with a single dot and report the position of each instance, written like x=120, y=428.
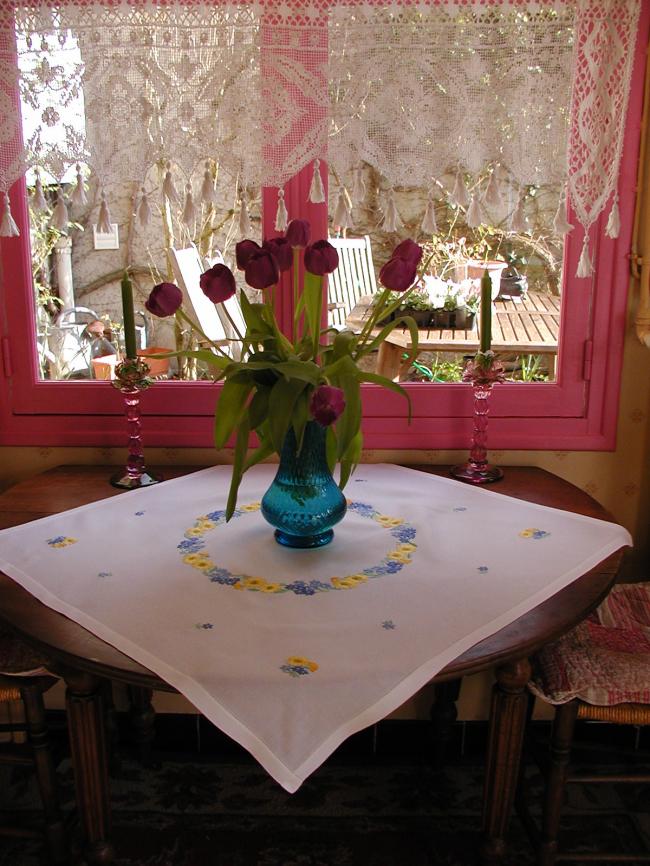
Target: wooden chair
x=24, y=678
x=600, y=671
x=188, y=267
x=354, y=278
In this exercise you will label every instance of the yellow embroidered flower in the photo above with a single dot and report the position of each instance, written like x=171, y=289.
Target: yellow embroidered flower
x=254, y=583
x=407, y=547
x=342, y=583
x=197, y=560
x=204, y=524
x=272, y=587
x=194, y=532
x=301, y=662
x=253, y=506
x=357, y=578
x=388, y=522
x=526, y=533
x=237, y=585
x=398, y=556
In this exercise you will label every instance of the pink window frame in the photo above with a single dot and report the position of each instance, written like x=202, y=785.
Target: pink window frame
x=578, y=412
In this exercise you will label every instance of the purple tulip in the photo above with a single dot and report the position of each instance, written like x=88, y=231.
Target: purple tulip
x=262, y=270
x=398, y=275
x=321, y=258
x=164, y=299
x=408, y=250
x=281, y=252
x=218, y=283
x=297, y=233
x=326, y=404
x=243, y=251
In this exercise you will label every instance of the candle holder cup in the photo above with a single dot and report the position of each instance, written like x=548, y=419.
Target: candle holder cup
x=131, y=378
x=483, y=372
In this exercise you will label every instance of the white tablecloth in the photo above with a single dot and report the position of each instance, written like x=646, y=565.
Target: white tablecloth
x=291, y=651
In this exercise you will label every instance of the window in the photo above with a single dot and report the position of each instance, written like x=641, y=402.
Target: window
x=577, y=410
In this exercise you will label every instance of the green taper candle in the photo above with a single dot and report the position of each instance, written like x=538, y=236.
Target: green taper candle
x=128, y=317
x=486, y=312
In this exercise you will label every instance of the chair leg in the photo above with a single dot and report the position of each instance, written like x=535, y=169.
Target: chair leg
x=560, y=751
x=32, y=696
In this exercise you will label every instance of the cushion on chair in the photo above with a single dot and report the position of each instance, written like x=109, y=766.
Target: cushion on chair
x=606, y=659
x=17, y=658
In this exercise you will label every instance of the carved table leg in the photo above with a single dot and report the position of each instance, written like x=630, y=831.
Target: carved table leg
x=88, y=747
x=507, y=724
x=143, y=717
x=443, y=715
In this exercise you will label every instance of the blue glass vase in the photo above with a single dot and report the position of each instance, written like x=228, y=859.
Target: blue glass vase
x=304, y=502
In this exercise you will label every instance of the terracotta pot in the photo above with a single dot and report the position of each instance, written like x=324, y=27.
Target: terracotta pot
x=104, y=366
x=157, y=366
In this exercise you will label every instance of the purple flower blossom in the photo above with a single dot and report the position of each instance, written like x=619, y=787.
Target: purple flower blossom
x=326, y=404
x=164, y=299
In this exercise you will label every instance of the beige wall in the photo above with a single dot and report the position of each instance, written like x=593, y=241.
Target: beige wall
x=619, y=480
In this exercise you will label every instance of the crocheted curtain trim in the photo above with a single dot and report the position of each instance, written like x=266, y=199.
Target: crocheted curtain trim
x=476, y=100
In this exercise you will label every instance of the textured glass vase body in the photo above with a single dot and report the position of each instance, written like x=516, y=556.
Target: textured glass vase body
x=304, y=502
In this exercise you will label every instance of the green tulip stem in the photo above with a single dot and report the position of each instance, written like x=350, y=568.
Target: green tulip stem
x=182, y=315
x=296, y=290
x=232, y=322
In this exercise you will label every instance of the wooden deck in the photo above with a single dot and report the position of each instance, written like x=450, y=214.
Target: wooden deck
x=529, y=326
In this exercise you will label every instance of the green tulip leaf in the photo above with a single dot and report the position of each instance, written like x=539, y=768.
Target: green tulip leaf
x=258, y=409
x=231, y=407
x=241, y=448
x=282, y=400
x=351, y=458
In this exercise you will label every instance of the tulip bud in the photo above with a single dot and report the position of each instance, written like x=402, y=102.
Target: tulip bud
x=261, y=270
x=297, y=233
x=164, y=299
x=218, y=283
x=321, y=258
x=398, y=275
x=243, y=251
x=281, y=252
x=408, y=250
x=326, y=404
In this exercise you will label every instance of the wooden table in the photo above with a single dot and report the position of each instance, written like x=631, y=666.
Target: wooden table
x=526, y=326
x=85, y=661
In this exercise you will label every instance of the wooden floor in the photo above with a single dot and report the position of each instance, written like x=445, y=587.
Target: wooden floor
x=526, y=326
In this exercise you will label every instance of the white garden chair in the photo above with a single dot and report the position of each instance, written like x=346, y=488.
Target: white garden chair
x=354, y=278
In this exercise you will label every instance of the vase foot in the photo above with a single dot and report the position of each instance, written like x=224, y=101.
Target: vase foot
x=120, y=479
x=320, y=539
x=474, y=475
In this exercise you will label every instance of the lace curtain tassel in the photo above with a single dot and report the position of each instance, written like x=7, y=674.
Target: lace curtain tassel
x=358, y=187
x=281, y=215
x=60, y=218
x=169, y=190
x=244, y=219
x=189, y=208
x=8, y=227
x=79, y=197
x=316, y=190
x=429, y=224
x=585, y=266
x=492, y=196
x=613, y=227
x=208, y=189
x=459, y=193
x=518, y=222
x=104, y=217
x=392, y=220
x=473, y=218
x=342, y=216
x=144, y=209
x=561, y=225
x=39, y=201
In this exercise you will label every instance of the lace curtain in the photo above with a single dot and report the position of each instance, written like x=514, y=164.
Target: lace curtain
x=476, y=101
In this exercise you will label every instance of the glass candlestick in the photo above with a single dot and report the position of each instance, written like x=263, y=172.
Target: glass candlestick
x=482, y=372
x=131, y=379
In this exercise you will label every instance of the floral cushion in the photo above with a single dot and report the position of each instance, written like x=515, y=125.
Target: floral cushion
x=606, y=659
x=17, y=658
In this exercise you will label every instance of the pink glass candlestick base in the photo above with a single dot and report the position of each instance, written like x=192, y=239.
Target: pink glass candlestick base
x=477, y=470
x=131, y=380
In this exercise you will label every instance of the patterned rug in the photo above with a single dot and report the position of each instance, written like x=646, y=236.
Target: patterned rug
x=190, y=812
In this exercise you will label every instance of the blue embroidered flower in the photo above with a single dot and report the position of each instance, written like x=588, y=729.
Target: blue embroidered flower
x=388, y=624
x=460, y=508
x=301, y=588
x=61, y=541
x=294, y=670
x=482, y=569
x=104, y=574
x=139, y=513
x=297, y=666
x=362, y=508
x=216, y=516
x=191, y=545
x=404, y=533
x=205, y=625
x=535, y=534
x=222, y=576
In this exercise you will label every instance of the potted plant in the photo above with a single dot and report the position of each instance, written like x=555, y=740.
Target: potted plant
x=418, y=307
